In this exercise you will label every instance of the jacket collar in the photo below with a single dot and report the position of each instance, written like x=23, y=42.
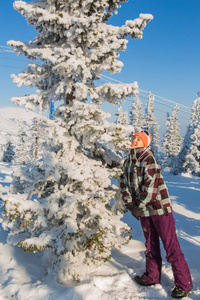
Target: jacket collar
x=138, y=153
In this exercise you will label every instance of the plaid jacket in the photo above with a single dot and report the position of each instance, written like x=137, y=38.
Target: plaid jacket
x=142, y=183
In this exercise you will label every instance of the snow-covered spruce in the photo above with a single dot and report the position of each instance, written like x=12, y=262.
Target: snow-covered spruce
x=21, y=148
x=8, y=152
x=172, y=140
x=63, y=206
x=151, y=125
x=37, y=137
x=122, y=117
x=136, y=116
x=122, y=122
x=188, y=159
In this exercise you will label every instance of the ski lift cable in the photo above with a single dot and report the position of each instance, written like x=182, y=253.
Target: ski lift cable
x=172, y=106
x=155, y=100
x=165, y=113
x=8, y=49
x=13, y=58
x=165, y=99
x=11, y=67
x=156, y=109
x=180, y=117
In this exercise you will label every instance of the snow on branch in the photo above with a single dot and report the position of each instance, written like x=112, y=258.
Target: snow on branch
x=135, y=28
x=114, y=93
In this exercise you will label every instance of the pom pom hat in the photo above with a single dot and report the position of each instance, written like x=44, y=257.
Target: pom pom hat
x=145, y=136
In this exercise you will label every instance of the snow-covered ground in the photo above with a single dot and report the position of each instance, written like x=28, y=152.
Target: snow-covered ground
x=9, y=122
x=23, y=275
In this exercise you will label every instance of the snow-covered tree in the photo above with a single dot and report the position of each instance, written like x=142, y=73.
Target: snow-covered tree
x=179, y=161
x=122, y=128
x=192, y=161
x=151, y=125
x=21, y=148
x=172, y=140
x=122, y=117
x=36, y=139
x=2, y=148
x=188, y=159
x=166, y=136
x=8, y=153
x=136, y=116
x=64, y=205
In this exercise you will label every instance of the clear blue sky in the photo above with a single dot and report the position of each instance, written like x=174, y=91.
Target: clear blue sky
x=166, y=61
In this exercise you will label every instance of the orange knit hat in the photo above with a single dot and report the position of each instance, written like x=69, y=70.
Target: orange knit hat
x=145, y=136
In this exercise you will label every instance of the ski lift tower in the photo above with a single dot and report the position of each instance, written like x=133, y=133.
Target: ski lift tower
x=51, y=110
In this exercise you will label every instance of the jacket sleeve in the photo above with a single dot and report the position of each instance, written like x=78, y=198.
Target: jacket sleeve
x=124, y=190
x=149, y=183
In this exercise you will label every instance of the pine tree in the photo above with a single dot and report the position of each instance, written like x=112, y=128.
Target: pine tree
x=192, y=160
x=64, y=205
x=124, y=129
x=21, y=148
x=136, y=116
x=36, y=140
x=188, y=158
x=122, y=117
x=8, y=153
x=172, y=139
x=2, y=148
x=166, y=140
x=151, y=125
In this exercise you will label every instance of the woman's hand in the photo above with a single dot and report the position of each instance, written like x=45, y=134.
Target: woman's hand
x=134, y=209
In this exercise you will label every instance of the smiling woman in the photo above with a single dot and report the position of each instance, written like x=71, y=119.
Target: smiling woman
x=141, y=139
x=137, y=142
x=146, y=196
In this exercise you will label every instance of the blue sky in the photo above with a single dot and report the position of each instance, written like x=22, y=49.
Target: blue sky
x=166, y=61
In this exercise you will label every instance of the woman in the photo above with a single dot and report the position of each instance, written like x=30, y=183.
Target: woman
x=146, y=196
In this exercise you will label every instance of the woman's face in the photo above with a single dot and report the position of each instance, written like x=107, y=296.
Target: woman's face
x=137, y=142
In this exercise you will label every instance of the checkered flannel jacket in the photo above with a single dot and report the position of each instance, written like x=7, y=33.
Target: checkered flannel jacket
x=142, y=183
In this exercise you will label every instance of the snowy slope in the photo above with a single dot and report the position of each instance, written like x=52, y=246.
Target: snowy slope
x=23, y=275
x=9, y=119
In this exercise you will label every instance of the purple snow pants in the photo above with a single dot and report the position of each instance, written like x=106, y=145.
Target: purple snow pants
x=164, y=227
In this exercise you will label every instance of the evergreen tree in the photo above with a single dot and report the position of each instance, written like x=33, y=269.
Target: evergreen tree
x=64, y=205
x=166, y=140
x=122, y=117
x=124, y=129
x=8, y=153
x=136, y=116
x=151, y=125
x=36, y=141
x=192, y=161
x=188, y=158
x=2, y=148
x=172, y=139
x=21, y=148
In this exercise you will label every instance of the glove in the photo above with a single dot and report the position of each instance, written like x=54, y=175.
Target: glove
x=134, y=209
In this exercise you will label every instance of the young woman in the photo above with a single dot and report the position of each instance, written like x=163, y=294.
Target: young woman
x=146, y=196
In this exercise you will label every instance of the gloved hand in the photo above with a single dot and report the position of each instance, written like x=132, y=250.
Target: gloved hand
x=134, y=209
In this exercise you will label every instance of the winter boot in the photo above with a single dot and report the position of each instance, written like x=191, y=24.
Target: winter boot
x=178, y=292
x=141, y=281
